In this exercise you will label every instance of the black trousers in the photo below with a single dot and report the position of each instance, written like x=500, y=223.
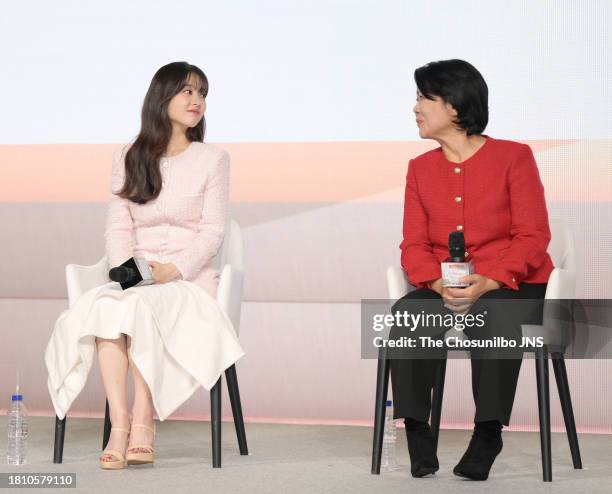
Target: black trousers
x=493, y=379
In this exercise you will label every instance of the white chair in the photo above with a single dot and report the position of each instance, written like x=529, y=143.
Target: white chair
x=80, y=279
x=556, y=330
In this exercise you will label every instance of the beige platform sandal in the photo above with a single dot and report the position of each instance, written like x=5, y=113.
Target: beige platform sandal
x=118, y=461
x=135, y=457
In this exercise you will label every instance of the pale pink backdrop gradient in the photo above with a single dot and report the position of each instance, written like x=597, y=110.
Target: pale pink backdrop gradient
x=261, y=172
x=321, y=222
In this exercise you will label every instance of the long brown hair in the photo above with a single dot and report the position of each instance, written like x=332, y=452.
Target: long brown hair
x=143, y=181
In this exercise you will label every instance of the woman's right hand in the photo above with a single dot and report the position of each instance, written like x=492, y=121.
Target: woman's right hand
x=459, y=305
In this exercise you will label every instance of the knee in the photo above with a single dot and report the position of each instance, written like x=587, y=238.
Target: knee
x=121, y=341
x=417, y=300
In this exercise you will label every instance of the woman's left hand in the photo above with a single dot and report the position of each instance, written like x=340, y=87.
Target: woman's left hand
x=164, y=272
x=463, y=298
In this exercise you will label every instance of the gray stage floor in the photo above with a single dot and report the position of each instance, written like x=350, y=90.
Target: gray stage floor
x=305, y=459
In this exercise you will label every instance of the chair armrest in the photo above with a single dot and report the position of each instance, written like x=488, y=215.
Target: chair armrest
x=229, y=293
x=561, y=284
x=397, y=283
x=80, y=279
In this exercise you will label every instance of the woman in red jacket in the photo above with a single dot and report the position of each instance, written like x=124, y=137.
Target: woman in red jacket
x=490, y=190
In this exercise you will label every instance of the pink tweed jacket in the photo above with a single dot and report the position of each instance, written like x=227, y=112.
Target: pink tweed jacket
x=184, y=224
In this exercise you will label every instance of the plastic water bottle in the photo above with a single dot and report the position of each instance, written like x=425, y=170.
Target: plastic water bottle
x=17, y=429
x=388, y=461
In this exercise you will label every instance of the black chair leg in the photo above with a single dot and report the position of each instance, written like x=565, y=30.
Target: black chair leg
x=215, y=422
x=436, y=401
x=58, y=449
x=382, y=387
x=234, y=394
x=107, y=426
x=544, y=411
x=566, y=405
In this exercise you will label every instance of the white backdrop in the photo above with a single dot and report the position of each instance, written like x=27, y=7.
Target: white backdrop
x=76, y=72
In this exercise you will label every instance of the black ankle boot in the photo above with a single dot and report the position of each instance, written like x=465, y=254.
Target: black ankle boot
x=422, y=448
x=485, y=445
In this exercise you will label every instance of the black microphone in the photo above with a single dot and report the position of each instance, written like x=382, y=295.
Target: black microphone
x=456, y=246
x=133, y=272
x=456, y=266
x=122, y=274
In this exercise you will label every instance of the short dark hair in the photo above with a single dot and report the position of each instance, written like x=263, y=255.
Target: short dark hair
x=458, y=83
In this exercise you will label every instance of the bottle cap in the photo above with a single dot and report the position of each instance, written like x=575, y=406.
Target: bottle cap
x=17, y=396
x=389, y=403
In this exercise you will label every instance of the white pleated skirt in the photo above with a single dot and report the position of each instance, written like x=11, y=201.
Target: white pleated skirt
x=181, y=339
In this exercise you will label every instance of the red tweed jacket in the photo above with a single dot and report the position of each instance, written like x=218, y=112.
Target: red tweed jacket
x=495, y=197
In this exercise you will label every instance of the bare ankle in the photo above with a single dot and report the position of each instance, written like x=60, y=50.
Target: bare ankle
x=142, y=415
x=120, y=418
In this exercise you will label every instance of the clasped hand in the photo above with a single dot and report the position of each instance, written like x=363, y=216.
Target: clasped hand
x=461, y=299
x=164, y=272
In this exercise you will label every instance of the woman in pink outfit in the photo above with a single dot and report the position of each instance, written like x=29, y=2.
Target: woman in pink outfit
x=169, y=206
